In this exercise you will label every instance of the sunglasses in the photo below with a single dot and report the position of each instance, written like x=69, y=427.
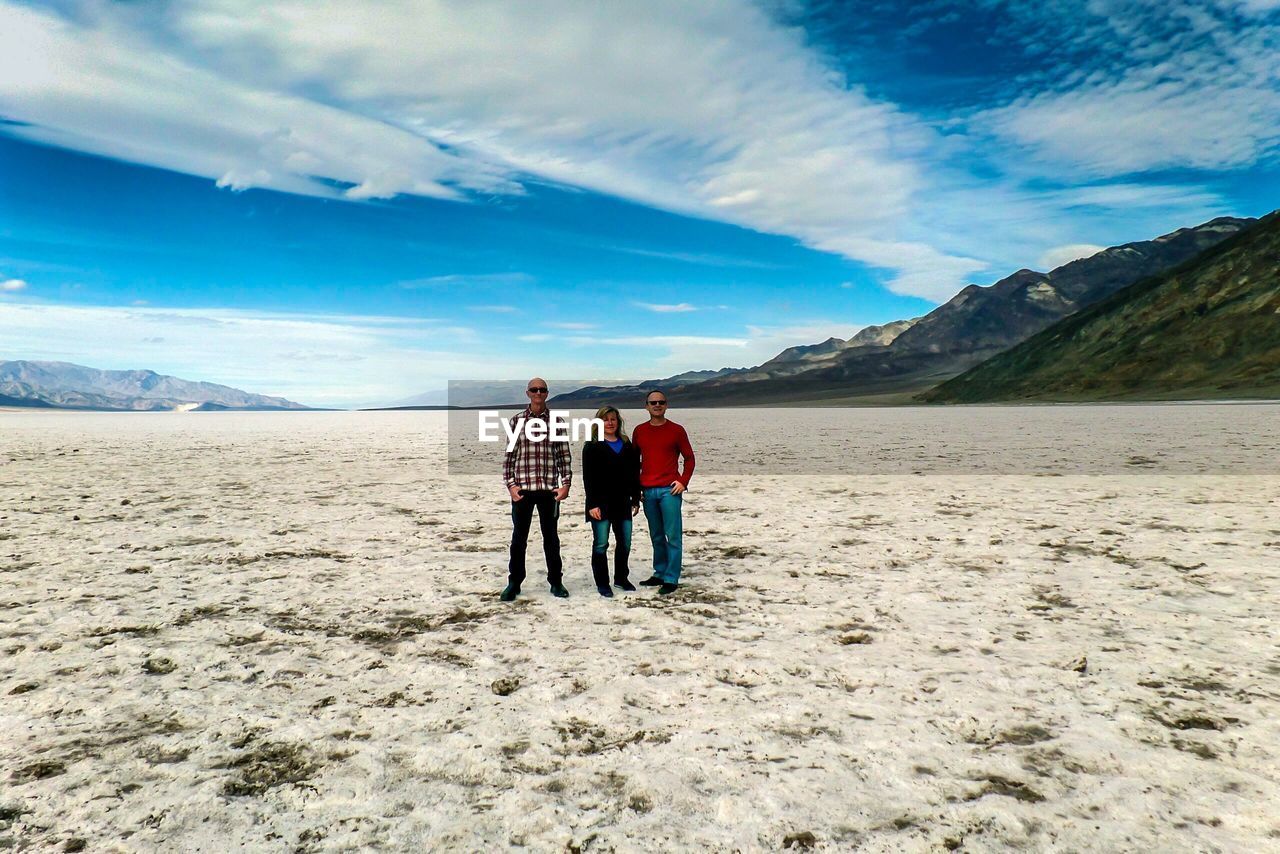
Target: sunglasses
x=540, y=389
x=655, y=403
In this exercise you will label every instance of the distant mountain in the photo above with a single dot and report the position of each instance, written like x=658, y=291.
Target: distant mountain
x=499, y=393
x=793, y=360
x=904, y=358
x=597, y=394
x=1209, y=328
x=871, y=336
x=473, y=393
x=689, y=377
x=810, y=357
x=63, y=385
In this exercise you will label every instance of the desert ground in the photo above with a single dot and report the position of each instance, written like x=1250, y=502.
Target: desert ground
x=281, y=632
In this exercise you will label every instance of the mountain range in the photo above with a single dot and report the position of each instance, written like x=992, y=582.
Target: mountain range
x=478, y=393
x=1209, y=328
x=1193, y=313
x=897, y=361
x=62, y=385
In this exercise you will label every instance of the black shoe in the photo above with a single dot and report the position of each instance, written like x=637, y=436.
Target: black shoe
x=510, y=592
x=667, y=589
x=606, y=591
x=558, y=591
x=624, y=584
x=652, y=581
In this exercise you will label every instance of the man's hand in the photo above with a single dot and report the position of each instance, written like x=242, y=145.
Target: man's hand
x=562, y=493
x=515, y=492
x=635, y=508
x=594, y=513
x=677, y=488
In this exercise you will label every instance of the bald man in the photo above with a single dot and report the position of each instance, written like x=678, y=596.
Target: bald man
x=537, y=475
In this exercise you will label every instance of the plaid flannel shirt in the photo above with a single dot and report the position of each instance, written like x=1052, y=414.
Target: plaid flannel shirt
x=536, y=465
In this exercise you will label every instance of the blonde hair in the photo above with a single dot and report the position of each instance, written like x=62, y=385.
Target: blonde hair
x=604, y=411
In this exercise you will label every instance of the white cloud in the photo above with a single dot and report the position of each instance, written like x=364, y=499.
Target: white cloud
x=334, y=360
x=769, y=341
x=654, y=355
x=680, y=341
x=666, y=308
x=755, y=346
x=705, y=259
x=1060, y=255
x=495, y=309
x=468, y=280
x=1140, y=124
x=106, y=88
x=573, y=326
x=713, y=109
x=13, y=285
x=1130, y=197
x=1149, y=84
x=314, y=359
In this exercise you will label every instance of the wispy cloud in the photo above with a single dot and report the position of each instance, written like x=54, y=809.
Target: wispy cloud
x=573, y=326
x=315, y=359
x=716, y=110
x=13, y=285
x=356, y=360
x=666, y=308
x=494, y=309
x=455, y=280
x=102, y=83
x=756, y=344
x=705, y=259
x=1060, y=255
x=1140, y=85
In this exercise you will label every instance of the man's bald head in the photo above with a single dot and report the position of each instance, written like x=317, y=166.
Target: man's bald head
x=536, y=390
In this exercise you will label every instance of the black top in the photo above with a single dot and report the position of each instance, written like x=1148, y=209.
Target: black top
x=611, y=479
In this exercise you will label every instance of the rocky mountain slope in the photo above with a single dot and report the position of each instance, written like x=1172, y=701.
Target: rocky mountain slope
x=896, y=361
x=1210, y=328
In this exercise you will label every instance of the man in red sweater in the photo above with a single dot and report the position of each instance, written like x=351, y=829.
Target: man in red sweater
x=662, y=444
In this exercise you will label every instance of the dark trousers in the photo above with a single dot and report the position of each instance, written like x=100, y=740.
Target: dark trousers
x=600, y=549
x=522, y=518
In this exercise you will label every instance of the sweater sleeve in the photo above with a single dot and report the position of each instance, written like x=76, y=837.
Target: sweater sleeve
x=686, y=451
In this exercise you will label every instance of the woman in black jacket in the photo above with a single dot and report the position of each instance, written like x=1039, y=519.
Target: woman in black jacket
x=611, y=480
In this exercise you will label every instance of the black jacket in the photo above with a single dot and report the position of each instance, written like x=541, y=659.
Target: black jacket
x=611, y=480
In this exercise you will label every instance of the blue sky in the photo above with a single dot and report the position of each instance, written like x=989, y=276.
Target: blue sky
x=349, y=203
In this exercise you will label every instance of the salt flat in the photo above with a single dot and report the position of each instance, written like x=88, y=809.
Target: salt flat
x=282, y=632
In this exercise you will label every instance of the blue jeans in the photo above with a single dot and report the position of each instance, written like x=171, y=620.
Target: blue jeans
x=600, y=535
x=600, y=548
x=662, y=509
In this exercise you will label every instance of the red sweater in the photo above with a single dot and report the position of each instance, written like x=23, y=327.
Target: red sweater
x=659, y=449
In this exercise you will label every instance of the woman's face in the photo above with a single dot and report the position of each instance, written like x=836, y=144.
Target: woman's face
x=611, y=423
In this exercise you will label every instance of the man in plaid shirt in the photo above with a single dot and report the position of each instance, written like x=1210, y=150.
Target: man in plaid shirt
x=537, y=474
